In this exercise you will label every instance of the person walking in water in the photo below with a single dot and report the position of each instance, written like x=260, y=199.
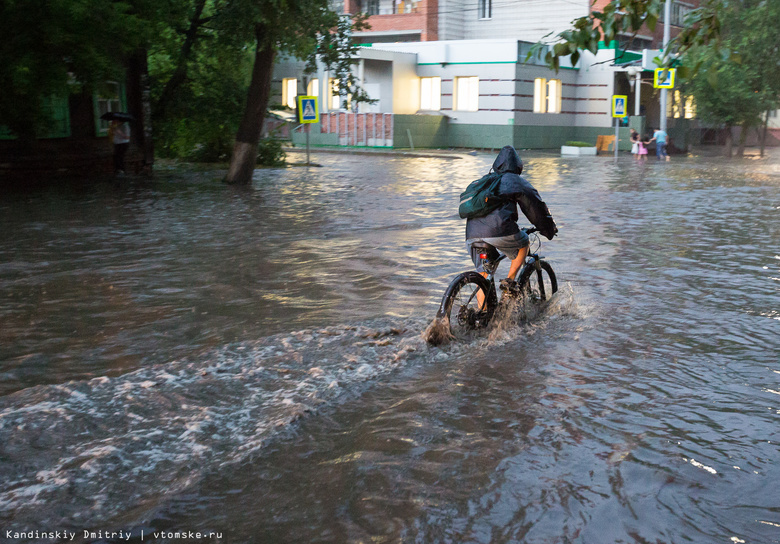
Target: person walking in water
x=634, y=143
x=660, y=137
x=119, y=134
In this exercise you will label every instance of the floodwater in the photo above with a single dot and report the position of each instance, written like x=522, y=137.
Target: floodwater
x=247, y=363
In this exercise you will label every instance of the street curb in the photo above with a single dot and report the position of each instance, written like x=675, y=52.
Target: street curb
x=391, y=153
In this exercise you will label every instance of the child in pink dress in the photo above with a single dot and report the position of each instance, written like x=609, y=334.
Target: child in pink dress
x=642, y=154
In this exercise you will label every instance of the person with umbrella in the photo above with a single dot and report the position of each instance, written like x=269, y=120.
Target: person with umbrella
x=119, y=135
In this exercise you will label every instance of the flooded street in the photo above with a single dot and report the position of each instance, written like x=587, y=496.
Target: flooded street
x=181, y=355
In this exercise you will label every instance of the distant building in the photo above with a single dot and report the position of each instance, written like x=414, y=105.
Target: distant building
x=76, y=139
x=448, y=73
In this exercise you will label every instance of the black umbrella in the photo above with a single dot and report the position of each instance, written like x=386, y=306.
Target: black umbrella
x=117, y=116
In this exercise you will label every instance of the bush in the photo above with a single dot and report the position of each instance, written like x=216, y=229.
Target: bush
x=270, y=153
x=580, y=144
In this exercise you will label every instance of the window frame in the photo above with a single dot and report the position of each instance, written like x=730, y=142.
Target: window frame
x=472, y=88
x=313, y=87
x=484, y=10
x=287, y=100
x=554, y=98
x=118, y=100
x=540, y=95
x=434, y=93
x=548, y=95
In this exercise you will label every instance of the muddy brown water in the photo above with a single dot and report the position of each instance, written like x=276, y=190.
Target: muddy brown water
x=179, y=355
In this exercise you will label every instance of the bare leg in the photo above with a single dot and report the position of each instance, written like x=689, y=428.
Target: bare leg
x=481, y=294
x=517, y=262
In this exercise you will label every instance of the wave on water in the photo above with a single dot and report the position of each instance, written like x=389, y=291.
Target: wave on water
x=109, y=450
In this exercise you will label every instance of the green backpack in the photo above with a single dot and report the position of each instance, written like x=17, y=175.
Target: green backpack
x=481, y=197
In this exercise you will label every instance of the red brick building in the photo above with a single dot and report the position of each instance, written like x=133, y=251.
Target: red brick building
x=398, y=20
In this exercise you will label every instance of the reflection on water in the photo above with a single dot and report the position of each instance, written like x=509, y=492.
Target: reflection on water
x=644, y=409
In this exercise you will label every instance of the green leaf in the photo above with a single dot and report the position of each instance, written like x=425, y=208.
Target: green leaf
x=712, y=78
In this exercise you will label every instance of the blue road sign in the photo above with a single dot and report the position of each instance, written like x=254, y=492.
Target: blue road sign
x=619, y=105
x=307, y=109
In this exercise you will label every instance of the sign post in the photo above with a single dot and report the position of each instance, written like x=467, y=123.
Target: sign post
x=307, y=114
x=619, y=102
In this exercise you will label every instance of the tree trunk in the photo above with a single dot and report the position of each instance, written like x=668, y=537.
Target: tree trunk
x=139, y=105
x=763, y=133
x=180, y=73
x=743, y=134
x=244, y=158
x=729, y=142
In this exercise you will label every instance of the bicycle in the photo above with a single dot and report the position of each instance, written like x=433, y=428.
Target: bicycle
x=461, y=304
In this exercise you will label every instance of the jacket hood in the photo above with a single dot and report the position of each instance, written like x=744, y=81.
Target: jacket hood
x=508, y=161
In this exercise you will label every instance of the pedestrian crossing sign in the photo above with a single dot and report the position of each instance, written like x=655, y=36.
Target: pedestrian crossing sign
x=664, y=80
x=307, y=109
x=619, y=105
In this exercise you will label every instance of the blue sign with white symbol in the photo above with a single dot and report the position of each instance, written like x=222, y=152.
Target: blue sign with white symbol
x=619, y=105
x=307, y=109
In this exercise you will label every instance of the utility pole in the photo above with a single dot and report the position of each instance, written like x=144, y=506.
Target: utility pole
x=667, y=24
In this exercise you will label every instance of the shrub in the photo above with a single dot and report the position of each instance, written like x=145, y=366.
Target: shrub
x=270, y=153
x=580, y=144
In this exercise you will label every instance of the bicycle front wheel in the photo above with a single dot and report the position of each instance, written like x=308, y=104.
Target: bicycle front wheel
x=468, y=304
x=538, y=282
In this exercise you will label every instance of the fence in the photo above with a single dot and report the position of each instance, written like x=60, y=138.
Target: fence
x=359, y=129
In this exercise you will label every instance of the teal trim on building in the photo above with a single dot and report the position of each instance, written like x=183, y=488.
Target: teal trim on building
x=454, y=63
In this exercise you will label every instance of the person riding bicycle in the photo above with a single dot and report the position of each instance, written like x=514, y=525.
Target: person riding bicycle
x=499, y=229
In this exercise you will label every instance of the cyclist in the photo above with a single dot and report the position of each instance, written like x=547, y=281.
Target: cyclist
x=499, y=229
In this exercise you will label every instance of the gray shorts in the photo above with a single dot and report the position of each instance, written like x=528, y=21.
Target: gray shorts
x=508, y=245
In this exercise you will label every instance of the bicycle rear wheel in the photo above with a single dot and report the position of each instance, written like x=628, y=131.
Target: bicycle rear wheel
x=461, y=305
x=538, y=283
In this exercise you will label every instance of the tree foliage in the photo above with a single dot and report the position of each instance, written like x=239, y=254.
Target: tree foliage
x=737, y=81
x=337, y=51
x=52, y=47
x=702, y=27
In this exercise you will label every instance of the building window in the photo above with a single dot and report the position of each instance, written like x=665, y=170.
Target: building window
x=370, y=7
x=547, y=95
x=403, y=6
x=467, y=93
x=111, y=97
x=681, y=106
x=540, y=95
x=313, y=89
x=554, y=96
x=430, y=93
x=679, y=11
x=630, y=42
x=289, y=91
x=485, y=9
x=334, y=100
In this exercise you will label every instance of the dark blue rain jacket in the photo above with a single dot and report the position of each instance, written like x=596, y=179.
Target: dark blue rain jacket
x=517, y=191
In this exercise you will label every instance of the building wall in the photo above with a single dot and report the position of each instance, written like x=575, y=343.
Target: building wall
x=527, y=20
x=422, y=20
x=430, y=131
x=657, y=34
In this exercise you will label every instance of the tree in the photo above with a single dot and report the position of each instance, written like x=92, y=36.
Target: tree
x=337, y=52
x=702, y=27
x=200, y=72
x=730, y=51
x=737, y=81
x=275, y=25
x=51, y=48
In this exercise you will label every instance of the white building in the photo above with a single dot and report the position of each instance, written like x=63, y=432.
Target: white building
x=463, y=93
